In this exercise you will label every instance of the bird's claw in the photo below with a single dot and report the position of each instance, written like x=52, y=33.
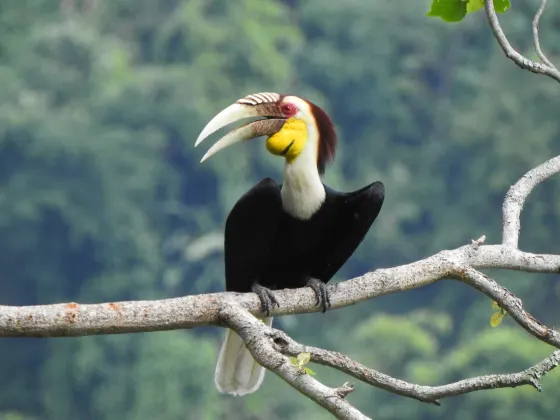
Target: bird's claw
x=267, y=298
x=321, y=292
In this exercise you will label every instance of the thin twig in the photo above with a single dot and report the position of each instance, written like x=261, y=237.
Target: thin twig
x=428, y=394
x=509, y=302
x=536, y=40
x=510, y=53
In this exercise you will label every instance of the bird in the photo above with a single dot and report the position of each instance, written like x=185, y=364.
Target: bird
x=290, y=235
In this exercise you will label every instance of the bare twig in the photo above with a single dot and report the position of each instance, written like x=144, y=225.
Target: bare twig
x=509, y=302
x=510, y=53
x=428, y=394
x=478, y=242
x=536, y=40
x=517, y=195
x=345, y=390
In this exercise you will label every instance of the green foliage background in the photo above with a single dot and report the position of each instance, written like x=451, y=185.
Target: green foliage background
x=102, y=197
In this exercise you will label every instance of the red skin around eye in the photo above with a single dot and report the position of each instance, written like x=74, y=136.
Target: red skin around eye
x=289, y=109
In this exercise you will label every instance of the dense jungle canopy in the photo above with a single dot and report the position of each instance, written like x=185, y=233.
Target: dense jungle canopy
x=102, y=196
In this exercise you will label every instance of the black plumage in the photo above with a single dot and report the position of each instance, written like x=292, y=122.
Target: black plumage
x=266, y=246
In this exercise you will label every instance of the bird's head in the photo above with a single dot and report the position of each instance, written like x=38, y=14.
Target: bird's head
x=297, y=129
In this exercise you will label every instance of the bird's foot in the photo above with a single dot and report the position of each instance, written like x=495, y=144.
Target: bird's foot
x=266, y=296
x=322, y=293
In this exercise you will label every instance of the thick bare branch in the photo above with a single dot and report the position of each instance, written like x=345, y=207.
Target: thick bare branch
x=505, y=257
x=257, y=336
x=73, y=319
x=428, y=394
x=510, y=53
x=536, y=39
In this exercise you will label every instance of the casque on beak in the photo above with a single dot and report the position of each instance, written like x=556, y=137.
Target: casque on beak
x=260, y=105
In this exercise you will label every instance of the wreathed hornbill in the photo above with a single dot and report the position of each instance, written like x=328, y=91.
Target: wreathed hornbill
x=291, y=235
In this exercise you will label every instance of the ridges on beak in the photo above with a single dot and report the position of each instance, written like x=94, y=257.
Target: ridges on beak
x=272, y=124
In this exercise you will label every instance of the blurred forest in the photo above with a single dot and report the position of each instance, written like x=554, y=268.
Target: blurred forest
x=102, y=196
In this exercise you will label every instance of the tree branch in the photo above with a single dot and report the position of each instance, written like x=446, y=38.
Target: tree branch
x=73, y=319
x=257, y=336
x=428, y=394
x=513, y=55
x=509, y=302
x=517, y=195
x=536, y=40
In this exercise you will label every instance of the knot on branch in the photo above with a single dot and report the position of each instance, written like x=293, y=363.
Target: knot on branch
x=344, y=390
x=534, y=381
x=475, y=244
x=280, y=340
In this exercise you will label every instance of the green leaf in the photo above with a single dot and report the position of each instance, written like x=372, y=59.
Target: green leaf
x=309, y=371
x=502, y=5
x=304, y=358
x=474, y=5
x=448, y=10
x=300, y=362
x=495, y=305
x=456, y=10
x=496, y=319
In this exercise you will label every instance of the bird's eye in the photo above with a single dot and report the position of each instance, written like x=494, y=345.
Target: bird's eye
x=288, y=109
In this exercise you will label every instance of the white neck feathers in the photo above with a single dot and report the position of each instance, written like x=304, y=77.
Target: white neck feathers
x=303, y=192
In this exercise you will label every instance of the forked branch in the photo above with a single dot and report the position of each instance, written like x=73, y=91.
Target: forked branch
x=525, y=63
x=428, y=394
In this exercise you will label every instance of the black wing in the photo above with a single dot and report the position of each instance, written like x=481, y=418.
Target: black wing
x=250, y=230
x=357, y=212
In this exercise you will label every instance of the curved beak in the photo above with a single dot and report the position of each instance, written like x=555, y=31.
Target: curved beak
x=273, y=122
